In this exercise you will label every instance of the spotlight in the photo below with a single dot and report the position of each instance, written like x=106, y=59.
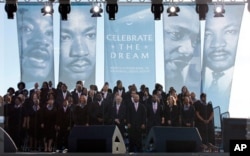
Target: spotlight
x=219, y=11
x=112, y=8
x=96, y=10
x=10, y=9
x=157, y=8
x=47, y=10
x=64, y=10
x=173, y=10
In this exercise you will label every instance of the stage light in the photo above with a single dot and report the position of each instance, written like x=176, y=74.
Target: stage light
x=219, y=11
x=173, y=10
x=10, y=8
x=47, y=10
x=112, y=8
x=202, y=10
x=248, y=5
x=64, y=9
x=157, y=9
x=96, y=10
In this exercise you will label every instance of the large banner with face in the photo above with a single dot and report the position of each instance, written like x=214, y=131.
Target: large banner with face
x=77, y=60
x=182, y=49
x=130, y=46
x=35, y=40
x=220, y=48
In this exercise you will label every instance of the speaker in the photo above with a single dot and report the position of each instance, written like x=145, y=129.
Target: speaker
x=173, y=139
x=6, y=143
x=234, y=129
x=96, y=139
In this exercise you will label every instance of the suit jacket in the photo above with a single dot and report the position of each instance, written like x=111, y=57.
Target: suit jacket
x=75, y=96
x=120, y=114
x=31, y=92
x=154, y=118
x=136, y=118
x=109, y=98
x=98, y=111
x=60, y=98
x=117, y=114
x=63, y=118
x=172, y=114
x=81, y=115
x=115, y=90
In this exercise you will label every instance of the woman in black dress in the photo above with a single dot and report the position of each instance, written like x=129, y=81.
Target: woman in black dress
x=48, y=125
x=172, y=112
x=35, y=117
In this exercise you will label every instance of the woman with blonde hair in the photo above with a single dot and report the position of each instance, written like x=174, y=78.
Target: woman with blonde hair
x=172, y=112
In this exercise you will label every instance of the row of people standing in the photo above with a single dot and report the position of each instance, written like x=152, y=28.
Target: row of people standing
x=50, y=119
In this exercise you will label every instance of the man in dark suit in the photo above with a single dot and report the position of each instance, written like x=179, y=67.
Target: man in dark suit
x=119, y=89
x=51, y=88
x=136, y=119
x=109, y=89
x=80, y=112
x=98, y=111
x=62, y=95
x=155, y=113
x=77, y=93
x=204, y=120
x=63, y=122
x=108, y=97
x=117, y=114
x=34, y=90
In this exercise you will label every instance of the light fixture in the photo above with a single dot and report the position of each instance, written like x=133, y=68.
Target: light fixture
x=47, y=10
x=202, y=8
x=173, y=10
x=10, y=8
x=219, y=10
x=248, y=5
x=64, y=9
x=96, y=10
x=112, y=8
x=157, y=9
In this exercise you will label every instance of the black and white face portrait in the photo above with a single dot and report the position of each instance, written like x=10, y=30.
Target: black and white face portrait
x=35, y=34
x=78, y=47
x=221, y=38
x=181, y=46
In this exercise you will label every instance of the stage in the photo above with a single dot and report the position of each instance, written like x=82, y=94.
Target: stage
x=108, y=154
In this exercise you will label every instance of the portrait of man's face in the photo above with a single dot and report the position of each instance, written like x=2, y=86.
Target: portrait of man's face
x=35, y=43
x=181, y=34
x=221, y=38
x=77, y=50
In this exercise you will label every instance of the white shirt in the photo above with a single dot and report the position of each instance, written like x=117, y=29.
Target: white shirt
x=136, y=105
x=154, y=106
x=117, y=108
x=223, y=82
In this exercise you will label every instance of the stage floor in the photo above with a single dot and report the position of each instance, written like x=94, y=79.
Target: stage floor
x=108, y=154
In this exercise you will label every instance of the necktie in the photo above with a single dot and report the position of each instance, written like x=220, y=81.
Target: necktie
x=154, y=107
x=214, y=85
x=117, y=109
x=136, y=106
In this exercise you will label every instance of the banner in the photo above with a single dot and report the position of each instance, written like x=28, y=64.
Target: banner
x=35, y=40
x=220, y=49
x=77, y=60
x=182, y=49
x=130, y=46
